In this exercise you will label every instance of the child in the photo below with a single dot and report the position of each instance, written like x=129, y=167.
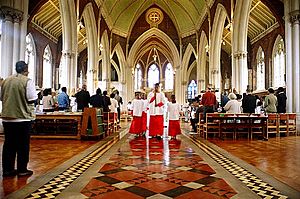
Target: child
x=136, y=124
x=174, y=122
x=144, y=113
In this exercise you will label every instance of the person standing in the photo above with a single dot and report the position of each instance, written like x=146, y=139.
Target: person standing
x=97, y=99
x=249, y=103
x=18, y=96
x=233, y=105
x=82, y=98
x=144, y=113
x=106, y=102
x=270, y=102
x=174, y=122
x=156, y=102
x=120, y=102
x=281, y=100
x=209, y=100
x=63, y=100
x=136, y=124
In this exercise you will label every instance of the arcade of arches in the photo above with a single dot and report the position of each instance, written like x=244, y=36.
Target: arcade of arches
x=185, y=45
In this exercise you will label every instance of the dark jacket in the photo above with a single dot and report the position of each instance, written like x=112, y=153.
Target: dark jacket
x=82, y=99
x=249, y=104
x=97, y=101
x=281, y=102
x=106, y=103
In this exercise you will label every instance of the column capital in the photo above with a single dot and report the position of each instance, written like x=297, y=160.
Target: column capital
x=295, y=16
x=240, y=54
x=215, y=71
x=11, y=14
x=68, y=53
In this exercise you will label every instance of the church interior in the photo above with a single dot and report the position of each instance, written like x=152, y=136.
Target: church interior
x=187, y=46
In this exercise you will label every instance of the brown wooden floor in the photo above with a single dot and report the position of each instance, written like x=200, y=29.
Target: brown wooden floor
x=278, y=157
x=44, y=155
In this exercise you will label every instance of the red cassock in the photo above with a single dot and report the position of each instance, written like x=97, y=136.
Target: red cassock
x=136, y=125
x=156, y=125
x=144, y=121
x=174, y=127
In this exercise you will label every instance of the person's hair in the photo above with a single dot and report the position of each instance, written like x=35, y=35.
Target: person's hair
x=112, y=95
x=173, y=98
x=280, y=89
x=232, y=96
x=259, y=103
x=64, y=89
x=21, y=66
x=156, y=84
x=238, y=96
x=47, y=91
x=271, y=90
x=98, y=91
x=104, y=92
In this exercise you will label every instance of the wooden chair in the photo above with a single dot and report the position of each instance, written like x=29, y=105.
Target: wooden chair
x=292, y=123
x=283, y=124
x=227, y=126
x=212, y=125
x=272, y=126
x=110, y=122
x=200, y=125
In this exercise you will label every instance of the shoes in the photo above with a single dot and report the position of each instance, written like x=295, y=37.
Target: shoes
x=9, y=173
x=25, y=173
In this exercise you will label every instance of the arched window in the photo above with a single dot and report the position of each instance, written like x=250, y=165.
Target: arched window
x=137, y=77
x=192, y=90
x=30, y=56
x=260, y=59
x=169, y=77
x=278, y=63
x=153, y=75
x=47, y=68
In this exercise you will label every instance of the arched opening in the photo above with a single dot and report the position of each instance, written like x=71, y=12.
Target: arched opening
x=47, y=68
x=169, y=77
x=153, y=75
x=279, y=68
x=30, y=57
x=260, y=75
x=138, y=77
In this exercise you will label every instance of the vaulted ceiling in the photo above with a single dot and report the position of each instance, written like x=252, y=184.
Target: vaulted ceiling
x=121, y=14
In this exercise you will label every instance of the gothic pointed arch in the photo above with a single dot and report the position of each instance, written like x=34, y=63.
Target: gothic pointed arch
x=278, y=63
x=215, y=46
x=163, y=37
x=119, y=51
x=47, y=67
x=30, y=57
x=92, y=48
x=202, y=60
x=186, y=59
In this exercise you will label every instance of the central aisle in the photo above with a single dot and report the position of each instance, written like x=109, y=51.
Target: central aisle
x=157, y=168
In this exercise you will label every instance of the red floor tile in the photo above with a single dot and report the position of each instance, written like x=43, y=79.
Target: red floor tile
x=158, y=186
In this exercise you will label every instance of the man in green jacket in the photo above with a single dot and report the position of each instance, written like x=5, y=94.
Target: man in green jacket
x=18, y=95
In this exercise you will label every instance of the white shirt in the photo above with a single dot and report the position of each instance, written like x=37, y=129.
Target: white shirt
x=173, y=109
x=145, y=105
x=137, y=106
x=233, y=106
x=114, y=105
x=48, y=102
x=156, y=110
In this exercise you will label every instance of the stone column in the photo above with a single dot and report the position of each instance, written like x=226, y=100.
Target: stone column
x=292, y=31
x=67, y=77
x=10, y=39
x=240, y=72
x=294, y=18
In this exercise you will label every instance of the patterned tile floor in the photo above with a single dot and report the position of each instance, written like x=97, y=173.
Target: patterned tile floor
x=157, y=168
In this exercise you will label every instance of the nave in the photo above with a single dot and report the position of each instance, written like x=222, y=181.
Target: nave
x=138, y=167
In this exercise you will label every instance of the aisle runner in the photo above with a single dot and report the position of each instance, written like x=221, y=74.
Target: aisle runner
x=159, y=169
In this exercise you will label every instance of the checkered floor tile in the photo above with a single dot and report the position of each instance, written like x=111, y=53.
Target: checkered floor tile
x=261, y=188
x=162, y=169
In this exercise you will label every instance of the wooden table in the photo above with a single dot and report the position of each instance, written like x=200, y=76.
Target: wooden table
x=61, y=115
